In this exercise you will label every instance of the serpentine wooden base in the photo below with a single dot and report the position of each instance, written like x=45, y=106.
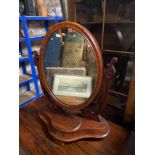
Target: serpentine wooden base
x=67, y=127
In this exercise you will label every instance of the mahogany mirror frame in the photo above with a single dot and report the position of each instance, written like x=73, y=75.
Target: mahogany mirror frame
x=96, y=51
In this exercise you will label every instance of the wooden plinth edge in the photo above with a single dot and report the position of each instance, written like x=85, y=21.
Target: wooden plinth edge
x=66, y=122
x=86, y=128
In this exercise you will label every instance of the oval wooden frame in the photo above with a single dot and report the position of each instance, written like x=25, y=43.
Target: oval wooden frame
x=97, y=52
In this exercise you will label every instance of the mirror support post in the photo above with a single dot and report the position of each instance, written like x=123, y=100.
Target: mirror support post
x=93, y=112
x=104, y=92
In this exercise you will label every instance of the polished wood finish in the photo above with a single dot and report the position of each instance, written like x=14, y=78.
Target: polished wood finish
x=69, y=122
x=96, y=51
x=65, y=122
x=36, y=140
x=87, y=124
x=67, y=127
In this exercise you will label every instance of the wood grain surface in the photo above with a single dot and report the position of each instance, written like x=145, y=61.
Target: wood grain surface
x=35, y=139
x=66, y=127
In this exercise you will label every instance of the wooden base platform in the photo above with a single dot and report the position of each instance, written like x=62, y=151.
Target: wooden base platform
x=69, y=127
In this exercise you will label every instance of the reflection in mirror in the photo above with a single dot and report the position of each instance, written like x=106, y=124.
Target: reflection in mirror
x=70, y=66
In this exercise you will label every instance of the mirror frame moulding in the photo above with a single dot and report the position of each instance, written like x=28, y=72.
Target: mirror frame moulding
x=96, y=51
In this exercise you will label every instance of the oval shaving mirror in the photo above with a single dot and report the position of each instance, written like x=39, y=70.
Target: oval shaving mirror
x=70, y=65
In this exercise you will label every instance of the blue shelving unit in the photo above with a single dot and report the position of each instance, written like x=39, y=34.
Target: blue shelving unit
x=34, y=77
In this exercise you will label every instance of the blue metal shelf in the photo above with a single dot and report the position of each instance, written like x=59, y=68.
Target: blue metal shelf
x=25, y=82
x=23, y=59
x=41, y=18
x=30, y=58
x=36, y=38
x=31, y=75
x=31, y=38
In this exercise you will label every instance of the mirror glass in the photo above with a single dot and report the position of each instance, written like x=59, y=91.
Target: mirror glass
x=70, y=66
